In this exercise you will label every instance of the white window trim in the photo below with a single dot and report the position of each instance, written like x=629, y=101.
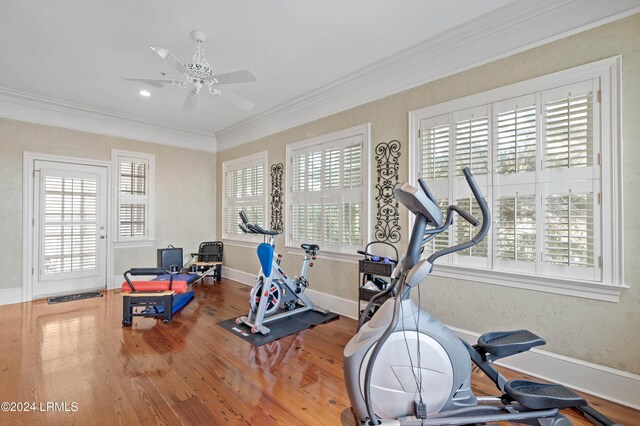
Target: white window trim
x=363, y=130
x=243, y=240
x=609, y=71
x=149, y=240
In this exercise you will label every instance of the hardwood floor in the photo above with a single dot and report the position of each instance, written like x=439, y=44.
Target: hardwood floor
x=188, y=372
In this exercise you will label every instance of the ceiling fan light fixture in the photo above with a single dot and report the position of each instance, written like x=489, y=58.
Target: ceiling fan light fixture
x=197, y=75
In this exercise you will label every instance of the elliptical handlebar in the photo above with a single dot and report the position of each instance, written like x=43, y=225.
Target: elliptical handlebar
x=427, y=191
x=465, y=215
x=486, y=218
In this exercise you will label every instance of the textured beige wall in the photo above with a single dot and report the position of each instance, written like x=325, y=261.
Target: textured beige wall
x=600, y=332
x=184, y=191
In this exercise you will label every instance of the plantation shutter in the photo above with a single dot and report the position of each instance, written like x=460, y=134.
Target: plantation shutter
x=314, y=171
x=515, y=228
x=244, y=191
x=352, y=174
x=70, y=223
x=472, y=141
x=351, y=218
x=569, y=226
x=331, y=223
x=572, y=230
x=569, y=131
x=299, y=171
x=133, y=198
x=515, y=203
x=464, y=231
x=298, y=221
x=515, y=145
x=571, y=191
x=435, y=140
x=332, y=168
x=547, y=162
x=352, y=192
x=326, y=194
x=298, y=216
x=434, y=153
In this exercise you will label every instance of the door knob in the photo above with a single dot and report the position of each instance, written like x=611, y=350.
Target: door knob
x=102, y=237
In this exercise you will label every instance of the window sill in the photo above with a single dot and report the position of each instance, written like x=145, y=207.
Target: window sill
x=585, y=289
x=133, y=244
x=329, y=255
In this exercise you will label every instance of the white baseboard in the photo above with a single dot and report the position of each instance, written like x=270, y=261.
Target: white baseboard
x=238, y=276
x=9, y=296
x=614, y=385
x=339, y=305
x=605, y=382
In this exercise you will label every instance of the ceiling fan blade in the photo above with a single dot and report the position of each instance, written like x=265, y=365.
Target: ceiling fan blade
x=171, y=59
x=236, y=100
x=190, y=101
x=244, y=76
x=156, y=82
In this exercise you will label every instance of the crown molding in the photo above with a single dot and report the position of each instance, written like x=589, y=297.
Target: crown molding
x=477, y=42
x=22, y=106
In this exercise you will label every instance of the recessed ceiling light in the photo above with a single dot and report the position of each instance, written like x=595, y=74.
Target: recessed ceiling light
x=145, y=93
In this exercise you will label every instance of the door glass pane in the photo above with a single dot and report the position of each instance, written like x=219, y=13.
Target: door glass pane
x=70, y=220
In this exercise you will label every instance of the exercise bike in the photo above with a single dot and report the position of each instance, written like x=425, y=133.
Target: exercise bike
x=274, y=289
x=405, y=367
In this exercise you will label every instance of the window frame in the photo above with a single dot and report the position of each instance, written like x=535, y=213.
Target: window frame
x=608, y=71
x=237, y=163
x=363, y=131
x=117, y=156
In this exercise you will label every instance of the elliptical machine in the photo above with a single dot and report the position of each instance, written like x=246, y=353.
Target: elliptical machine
x=405, y=367
x=282, y=291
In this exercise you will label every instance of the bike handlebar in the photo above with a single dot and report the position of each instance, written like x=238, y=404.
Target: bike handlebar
x=243, y=216
x=253, y=228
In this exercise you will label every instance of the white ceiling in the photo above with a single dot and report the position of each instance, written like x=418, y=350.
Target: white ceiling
x=76, y=51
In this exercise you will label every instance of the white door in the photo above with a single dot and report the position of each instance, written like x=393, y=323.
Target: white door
x=70, y=238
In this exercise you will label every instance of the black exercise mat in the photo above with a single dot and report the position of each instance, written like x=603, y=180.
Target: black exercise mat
x=71, y=297
x=281, y=328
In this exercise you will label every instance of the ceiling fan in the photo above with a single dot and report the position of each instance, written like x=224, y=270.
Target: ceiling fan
x=198, y=75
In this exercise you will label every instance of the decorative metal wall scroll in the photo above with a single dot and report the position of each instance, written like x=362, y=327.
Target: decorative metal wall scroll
x=387, y=157
x=276, y=197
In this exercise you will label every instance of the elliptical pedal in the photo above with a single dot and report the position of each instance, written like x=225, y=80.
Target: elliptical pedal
x=541, y=396
x=501, y=344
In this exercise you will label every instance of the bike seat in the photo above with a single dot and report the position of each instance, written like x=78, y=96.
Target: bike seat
x=541, y=396
x=310, y=247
